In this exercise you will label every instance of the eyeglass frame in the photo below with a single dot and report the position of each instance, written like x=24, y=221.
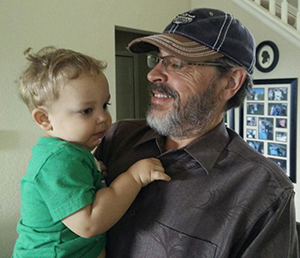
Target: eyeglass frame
x=164, y=63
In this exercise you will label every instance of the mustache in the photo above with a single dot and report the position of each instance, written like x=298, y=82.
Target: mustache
x=163, y=88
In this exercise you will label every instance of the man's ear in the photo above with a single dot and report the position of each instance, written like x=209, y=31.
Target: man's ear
x=40, y=116
x=235, y=79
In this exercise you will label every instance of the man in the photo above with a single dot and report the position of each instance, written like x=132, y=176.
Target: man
x=224, y=199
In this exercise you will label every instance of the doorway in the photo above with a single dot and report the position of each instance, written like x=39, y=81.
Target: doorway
x=132, y=94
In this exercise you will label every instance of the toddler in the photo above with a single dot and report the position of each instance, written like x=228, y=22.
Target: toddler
x=65, y=210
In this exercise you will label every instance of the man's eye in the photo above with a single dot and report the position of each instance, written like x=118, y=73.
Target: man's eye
x=173, y=63
x=176, y=65
x=87, y=111
x=105, y=106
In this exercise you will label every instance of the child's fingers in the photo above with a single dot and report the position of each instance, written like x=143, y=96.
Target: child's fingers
x=103, y=167
x=157, y=175
x=104, y=174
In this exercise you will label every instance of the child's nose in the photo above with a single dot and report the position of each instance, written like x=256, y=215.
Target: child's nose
x=103, y=117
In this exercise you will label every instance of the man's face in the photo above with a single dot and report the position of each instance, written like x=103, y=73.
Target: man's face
x=183, y=102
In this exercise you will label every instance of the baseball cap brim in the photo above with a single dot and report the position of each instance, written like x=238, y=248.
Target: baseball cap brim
x=176, y=45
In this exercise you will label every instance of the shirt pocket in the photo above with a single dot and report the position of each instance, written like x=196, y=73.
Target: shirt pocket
x=165, y=242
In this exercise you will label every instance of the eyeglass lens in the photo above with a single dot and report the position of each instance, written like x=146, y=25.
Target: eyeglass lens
x=170, y=62
x=152, y=61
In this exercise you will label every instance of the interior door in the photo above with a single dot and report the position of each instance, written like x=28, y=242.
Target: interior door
x=125, y=93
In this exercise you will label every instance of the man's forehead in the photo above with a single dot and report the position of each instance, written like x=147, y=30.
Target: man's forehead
x=162, y=52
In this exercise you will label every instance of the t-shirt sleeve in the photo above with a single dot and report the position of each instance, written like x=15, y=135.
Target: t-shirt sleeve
x=66, y=183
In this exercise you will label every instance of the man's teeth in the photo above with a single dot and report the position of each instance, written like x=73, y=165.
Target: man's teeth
x=162, y=96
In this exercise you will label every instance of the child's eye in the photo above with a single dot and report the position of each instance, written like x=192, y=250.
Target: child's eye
x=87, y=111
x=105, y=106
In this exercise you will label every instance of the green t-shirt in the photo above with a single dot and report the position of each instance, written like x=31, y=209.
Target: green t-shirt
x=61, y=179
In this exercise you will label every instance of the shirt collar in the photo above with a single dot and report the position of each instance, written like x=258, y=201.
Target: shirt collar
x=206, y=149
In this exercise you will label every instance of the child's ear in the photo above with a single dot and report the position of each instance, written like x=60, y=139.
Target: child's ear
x=236, y=78
x=40, y=116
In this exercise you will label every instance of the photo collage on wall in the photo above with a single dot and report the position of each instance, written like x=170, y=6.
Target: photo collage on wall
x=268, y=125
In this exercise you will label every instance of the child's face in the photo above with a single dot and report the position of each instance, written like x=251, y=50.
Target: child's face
x=80, y=113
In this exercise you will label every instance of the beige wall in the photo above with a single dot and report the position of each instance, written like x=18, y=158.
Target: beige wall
x=288, y=65
x=85, y=26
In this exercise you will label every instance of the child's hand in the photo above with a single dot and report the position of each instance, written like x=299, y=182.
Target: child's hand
x=101, y=167
x=146, y=171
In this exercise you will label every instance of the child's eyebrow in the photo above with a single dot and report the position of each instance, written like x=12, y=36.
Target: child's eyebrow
x=86, y=103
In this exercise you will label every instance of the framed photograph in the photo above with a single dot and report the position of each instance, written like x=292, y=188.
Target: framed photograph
x=267, y=56
x=269, y=121
x=255, y=108
x=251, y=121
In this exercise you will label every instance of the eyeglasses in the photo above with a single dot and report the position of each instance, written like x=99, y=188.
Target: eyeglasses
x=173, y=63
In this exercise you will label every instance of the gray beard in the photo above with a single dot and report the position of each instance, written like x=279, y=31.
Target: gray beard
x=184, y=121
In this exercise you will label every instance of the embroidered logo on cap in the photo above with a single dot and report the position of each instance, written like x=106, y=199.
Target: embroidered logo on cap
x=184, y=18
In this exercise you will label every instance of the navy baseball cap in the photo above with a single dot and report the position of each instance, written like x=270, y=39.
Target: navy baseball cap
x=202, y=35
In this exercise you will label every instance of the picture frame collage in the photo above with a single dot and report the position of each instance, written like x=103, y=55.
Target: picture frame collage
x=269, y=121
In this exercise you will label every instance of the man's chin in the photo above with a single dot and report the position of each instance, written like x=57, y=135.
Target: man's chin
x=158, y=111
x=156, y=116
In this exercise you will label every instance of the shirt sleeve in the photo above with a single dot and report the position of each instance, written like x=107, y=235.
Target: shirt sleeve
x=274, y=235
x=66, y=183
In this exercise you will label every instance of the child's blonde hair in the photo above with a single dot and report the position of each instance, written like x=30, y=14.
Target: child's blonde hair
x=49, y=69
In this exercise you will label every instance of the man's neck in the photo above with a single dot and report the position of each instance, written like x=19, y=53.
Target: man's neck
x=175, y=143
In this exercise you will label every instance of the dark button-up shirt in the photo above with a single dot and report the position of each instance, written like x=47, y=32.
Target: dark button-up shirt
x=224, y=199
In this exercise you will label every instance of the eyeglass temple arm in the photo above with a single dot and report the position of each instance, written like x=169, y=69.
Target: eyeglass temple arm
x=205, y=63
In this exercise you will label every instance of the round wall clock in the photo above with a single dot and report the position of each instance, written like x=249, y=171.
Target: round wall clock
x=267, y=56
